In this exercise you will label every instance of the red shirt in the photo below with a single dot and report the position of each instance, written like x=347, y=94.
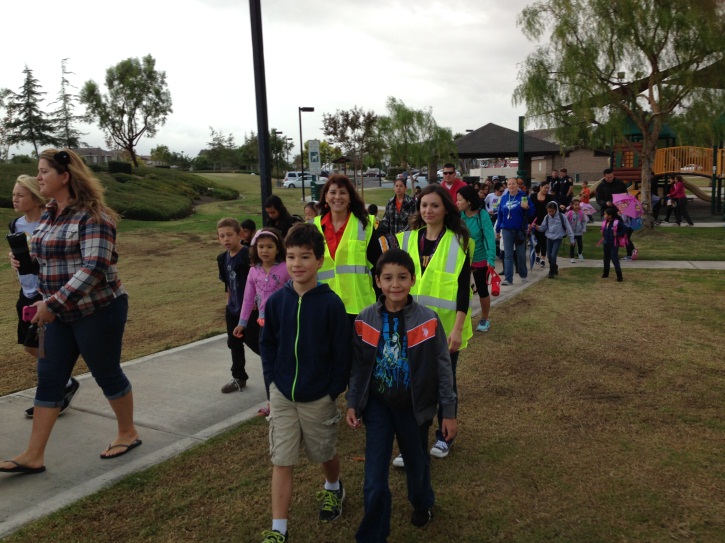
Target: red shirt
x=332, y=238
x=453, y=190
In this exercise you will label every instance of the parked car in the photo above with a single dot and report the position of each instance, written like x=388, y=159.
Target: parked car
x=296, y=183
x=374, y=172
x=291, y=176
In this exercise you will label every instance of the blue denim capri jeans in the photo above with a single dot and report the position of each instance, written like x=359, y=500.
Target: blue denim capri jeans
x=97, y=337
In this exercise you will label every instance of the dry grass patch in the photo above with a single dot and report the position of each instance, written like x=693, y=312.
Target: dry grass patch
x=592, y=412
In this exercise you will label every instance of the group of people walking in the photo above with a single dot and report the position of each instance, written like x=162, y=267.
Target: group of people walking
x=304, y=296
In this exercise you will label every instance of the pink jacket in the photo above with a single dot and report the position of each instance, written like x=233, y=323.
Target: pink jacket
x=260, y=286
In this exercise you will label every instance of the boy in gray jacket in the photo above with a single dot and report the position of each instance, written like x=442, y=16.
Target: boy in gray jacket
x=401, y=370
x=555, y=226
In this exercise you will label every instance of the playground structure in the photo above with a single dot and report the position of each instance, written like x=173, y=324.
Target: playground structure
x=688, y=161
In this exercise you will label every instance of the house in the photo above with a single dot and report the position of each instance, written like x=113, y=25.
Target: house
x=588, y=164
x=96, y=155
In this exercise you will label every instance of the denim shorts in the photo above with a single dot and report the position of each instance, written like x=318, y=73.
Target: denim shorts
x=97, y=337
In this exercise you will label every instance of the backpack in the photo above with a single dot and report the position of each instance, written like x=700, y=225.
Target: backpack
x=620, y=240
x=636, y=224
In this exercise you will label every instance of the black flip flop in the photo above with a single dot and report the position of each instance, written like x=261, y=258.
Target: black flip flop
x=19, y=468
x=128, y=448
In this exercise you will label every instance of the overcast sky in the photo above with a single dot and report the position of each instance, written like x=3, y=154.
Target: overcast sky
x=459, y=57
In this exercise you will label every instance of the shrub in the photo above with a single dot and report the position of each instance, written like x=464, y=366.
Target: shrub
x=97, y=168
x=117, y=166
x=123, y=177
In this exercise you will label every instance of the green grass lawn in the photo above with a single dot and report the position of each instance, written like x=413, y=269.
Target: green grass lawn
x=577, y=425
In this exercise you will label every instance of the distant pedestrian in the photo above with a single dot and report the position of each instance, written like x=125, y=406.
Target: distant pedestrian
x=399, y=209
x=512, y=223
x=607, y=188
x=279, y=217
x=450, y=182
x=613, y=234
x=555, y=226
x=578, y=220
x=677, y=193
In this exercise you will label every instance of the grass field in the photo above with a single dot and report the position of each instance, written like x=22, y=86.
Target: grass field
x=588, y=415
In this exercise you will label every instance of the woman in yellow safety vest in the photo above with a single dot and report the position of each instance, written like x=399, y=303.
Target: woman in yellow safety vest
x=441, y=248
x=349, y=253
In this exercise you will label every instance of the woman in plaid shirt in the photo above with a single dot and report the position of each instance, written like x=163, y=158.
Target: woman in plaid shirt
x=398, y=209
x=84, y=306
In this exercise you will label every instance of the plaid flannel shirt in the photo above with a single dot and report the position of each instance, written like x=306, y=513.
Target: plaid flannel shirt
x=398, y=222
x=77, y=260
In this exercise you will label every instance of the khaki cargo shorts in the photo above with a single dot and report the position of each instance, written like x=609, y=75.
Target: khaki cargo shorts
x=293, y=423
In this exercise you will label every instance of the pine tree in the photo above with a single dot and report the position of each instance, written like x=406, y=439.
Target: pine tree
x=28, y=122
x=64, y=117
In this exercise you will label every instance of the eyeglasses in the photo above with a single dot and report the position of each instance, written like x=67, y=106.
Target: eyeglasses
x=448, y=173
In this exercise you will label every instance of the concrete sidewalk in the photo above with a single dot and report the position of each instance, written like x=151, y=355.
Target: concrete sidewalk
x=178, y=405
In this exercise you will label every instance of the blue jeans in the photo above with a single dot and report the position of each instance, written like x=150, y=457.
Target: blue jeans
x=454, y=365
x=509, y=247
x=552, y=249
x=382, y=425
x=98, y=338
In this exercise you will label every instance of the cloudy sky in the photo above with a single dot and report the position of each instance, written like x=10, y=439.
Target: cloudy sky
x=459, y=57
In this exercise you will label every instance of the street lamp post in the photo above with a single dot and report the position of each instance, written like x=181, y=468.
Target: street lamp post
x=302, y=147
x=276, y=162
x=288, y=146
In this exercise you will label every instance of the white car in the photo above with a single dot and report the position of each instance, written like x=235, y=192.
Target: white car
x=297, y=182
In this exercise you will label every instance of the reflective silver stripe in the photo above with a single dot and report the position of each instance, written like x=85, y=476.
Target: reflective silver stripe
x=351, y=269
x=360, y=231
x=437, y=302
x=406, y=240
x=325, y=275
x=452, y=256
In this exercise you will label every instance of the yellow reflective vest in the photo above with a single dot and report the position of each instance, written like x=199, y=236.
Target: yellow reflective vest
x=437, y=288
x=348, y=274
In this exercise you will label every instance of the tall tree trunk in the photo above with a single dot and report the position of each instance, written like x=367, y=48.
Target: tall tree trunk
x=649, y=147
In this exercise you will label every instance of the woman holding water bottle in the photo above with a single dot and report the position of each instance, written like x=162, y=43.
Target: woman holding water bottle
x=514, y=213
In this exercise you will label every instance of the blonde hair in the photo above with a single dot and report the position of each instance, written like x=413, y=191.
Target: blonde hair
x=30, y=184
x=86, y=191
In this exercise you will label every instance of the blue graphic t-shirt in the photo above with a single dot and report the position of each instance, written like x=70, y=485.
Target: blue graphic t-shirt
x=391, y=373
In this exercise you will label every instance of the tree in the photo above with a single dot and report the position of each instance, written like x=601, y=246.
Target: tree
x=352, y=129
x=608, y=62
x=26, y=120
x=136, y=104
x=4, y=119
x=64, y=117
x=161, y=153
x=222, y=150
x=249, y=152
x=413, y=137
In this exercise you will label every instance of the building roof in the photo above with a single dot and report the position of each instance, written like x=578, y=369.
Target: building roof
x=494, y=141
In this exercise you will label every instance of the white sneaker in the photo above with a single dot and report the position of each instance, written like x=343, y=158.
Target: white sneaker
x=440, y=449
x=398, y=461
x=581, y=258
x=524, y=279
x=573, y=261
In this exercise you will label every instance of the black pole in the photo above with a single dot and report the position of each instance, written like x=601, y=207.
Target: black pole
x=302, y=157
x=260, y=89
x=521, y=172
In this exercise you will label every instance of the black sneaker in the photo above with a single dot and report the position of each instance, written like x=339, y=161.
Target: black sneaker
x=234, y=385
x=70, y=393
x=421, y=517
x=331, y=503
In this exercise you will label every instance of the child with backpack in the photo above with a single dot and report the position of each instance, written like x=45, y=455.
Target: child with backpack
x=578, y=221
x=556, y=226
x=614, y=236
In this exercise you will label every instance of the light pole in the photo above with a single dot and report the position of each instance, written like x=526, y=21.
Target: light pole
x=277, y=133
x=287, y=147
x=302, y=147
